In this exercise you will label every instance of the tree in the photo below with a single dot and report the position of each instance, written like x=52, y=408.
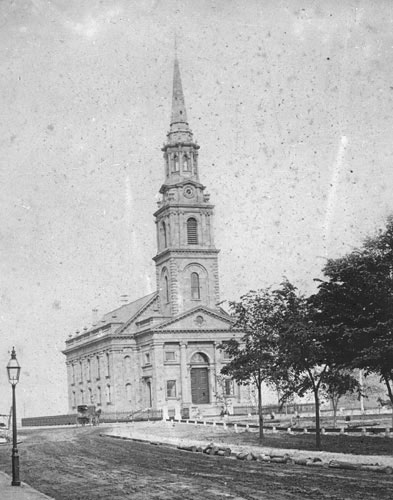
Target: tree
x=257, y=315
x=355, y=301
x=301, y=354
x=337, y=383
x=283, y=346
x=306, y=355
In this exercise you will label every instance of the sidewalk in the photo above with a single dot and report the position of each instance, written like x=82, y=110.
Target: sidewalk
x=22, y=492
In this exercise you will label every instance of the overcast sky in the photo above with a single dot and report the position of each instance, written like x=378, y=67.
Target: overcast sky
x=290, y=101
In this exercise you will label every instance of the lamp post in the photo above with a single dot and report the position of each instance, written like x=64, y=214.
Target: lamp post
x=13, y=371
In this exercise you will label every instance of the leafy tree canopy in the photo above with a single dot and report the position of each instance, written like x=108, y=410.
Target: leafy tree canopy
x=355, y=302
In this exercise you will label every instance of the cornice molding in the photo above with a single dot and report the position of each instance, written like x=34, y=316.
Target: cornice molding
x=175, y=251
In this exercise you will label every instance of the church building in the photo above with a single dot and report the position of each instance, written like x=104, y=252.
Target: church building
x=162, y=350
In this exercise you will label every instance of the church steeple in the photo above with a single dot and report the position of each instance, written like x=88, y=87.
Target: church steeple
x=186, y=260
x=180, y=149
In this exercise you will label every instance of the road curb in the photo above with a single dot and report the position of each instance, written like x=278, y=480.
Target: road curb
x=213, y=449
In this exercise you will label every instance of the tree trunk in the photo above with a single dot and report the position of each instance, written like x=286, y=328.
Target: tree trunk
x=390, y=392
x=334, y=404
x=317, y=422
x=260, y=407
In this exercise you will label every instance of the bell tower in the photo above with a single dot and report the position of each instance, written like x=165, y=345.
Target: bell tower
x=186, y=260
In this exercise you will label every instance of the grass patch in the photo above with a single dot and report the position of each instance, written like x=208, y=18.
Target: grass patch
x=357, y=445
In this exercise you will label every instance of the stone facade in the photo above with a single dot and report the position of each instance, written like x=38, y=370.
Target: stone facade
x=162, y=351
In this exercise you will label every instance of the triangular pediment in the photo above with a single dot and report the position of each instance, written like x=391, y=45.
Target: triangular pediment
x=199, y=318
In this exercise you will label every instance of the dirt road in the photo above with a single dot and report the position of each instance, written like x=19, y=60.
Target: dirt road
x=78, y=464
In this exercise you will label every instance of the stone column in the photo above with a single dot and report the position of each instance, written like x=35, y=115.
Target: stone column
x=138, y=379
x=204, y=237
x=177, y=230
x=185, y=380
x=69, y=384
x=158, y=382
x=216, y=372
x=182, y=230
x=212, y=383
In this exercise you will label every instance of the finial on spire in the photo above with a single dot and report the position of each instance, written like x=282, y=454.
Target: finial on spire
x=175, y=36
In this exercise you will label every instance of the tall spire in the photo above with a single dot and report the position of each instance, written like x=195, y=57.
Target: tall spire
x=179, y=129
x=180, y=150
x=179, y=114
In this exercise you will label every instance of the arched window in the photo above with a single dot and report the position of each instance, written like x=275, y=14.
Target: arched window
x=192, y=231
x=166, y=283
x=195, y=286
x=108, y=395
x=164, y=235
x=128, y=392
x=186, y=163
x=199, y=359
x=176, y=163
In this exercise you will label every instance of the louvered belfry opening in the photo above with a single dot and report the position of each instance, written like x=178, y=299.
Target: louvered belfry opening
x=192, y=231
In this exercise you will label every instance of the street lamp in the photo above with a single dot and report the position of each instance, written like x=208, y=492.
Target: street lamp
x=13, y=371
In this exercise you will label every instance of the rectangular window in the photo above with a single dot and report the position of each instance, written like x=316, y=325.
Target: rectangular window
x=225, y=355
x=170, y=356
x=99, y=395
x=147, y=358
x=171, y=388
x=228, y=387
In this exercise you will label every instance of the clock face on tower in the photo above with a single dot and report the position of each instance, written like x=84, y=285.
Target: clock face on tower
x=189, y=191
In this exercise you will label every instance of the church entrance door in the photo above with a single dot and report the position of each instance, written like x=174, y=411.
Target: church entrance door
x=200, y=385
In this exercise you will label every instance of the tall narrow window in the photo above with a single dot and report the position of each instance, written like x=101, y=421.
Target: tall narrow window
x=176, y=163
x=228, y=387
x=127, y=363
x=108, y=395
x=99, y=395
x=129, y=392
x=73, y=373
x=186, y=163
x=88, y=369
x=98, y=368
x=73, y=399
x=108, y=372
x=82, y=397
x=90, y=393
x=192, y=231
x=166, y=283
x=81, y=371
x=195, y=287
x=170, y=389
x=164, y=235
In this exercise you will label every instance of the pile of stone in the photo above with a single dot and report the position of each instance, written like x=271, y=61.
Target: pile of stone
x=213, y=449
x=210, y=449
